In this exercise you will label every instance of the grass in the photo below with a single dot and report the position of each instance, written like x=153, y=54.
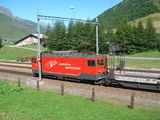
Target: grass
x=34, y=47
x=140, y=64
x=149, y=54
x=7, y=44
x=146, y=64
x=7, y=53
x=143, y=64
x=28, y=104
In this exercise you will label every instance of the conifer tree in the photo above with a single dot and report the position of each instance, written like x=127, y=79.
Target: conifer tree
x=1, y=43
x=103, y=46
x=56, y=36
x=70, y=31
x=151, y=35
x=125, y=37
x=140, y=37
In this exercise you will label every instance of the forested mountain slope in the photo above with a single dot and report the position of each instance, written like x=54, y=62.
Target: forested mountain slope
x=130, y=9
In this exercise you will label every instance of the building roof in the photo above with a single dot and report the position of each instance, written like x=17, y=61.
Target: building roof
x=33, y=35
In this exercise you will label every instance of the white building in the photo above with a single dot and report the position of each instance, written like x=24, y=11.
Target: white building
x=29, y=39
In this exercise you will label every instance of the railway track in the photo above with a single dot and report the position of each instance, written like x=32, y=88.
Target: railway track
x=16, y=72
x=29, y=74
x=15, y=62
x=124, y=75
x=124, y=70
x=144, y=97
x=127, y=75
x=15, y=66
x=152, y=74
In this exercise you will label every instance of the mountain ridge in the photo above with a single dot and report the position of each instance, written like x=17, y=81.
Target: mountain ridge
x=5, y=11
x=14, y=28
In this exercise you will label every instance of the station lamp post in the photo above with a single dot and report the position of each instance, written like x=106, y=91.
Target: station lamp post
x=73, y=9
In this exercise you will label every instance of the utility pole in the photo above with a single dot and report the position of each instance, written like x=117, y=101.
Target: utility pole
x=97, y=40
x=39, y=45
x=44, y=17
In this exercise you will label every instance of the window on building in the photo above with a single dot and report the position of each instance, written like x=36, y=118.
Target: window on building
x=91, y=63
x=100, y=62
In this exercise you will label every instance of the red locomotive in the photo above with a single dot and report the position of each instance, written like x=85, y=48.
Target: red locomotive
x=88, y=66
x=82, y=66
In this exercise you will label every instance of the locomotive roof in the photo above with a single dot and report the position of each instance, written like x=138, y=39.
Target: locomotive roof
x=71, y=54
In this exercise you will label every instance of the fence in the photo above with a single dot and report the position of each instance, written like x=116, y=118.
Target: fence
x=38, y=85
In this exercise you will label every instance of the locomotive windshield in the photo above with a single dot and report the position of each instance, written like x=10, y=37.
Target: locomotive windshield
x=100, y=62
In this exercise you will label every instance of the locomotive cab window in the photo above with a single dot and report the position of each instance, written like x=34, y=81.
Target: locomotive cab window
x=100, y=62
x=33, y=60
x=91, y=63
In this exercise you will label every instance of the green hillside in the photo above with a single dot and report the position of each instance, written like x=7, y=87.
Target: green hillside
x=11, y=29
x=131, y=9
x=155, y=18
x=14, y=28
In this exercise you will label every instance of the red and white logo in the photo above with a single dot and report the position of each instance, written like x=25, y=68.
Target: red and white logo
x=51, y=64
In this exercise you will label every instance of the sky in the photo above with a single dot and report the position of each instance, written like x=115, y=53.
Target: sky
x=83, y=9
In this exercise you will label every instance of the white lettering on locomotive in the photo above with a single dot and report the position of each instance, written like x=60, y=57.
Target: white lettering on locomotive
x=73, y=68
x=64, y=64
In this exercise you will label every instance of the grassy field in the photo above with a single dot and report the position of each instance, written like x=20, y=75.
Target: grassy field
x=146, y=64
x=7, y=44
x=34, y=47
x=150, y=54
x=140, y=64
x=143, y=64
x=28, y=104
x=8, y=53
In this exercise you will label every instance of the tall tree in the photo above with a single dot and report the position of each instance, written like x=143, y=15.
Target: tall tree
x=1, y=43
x=125, y=37
x=56, y=36
x=151, y=34
x=70, y=31
x=140, y=37
x=103, y=42
x=79, y=36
